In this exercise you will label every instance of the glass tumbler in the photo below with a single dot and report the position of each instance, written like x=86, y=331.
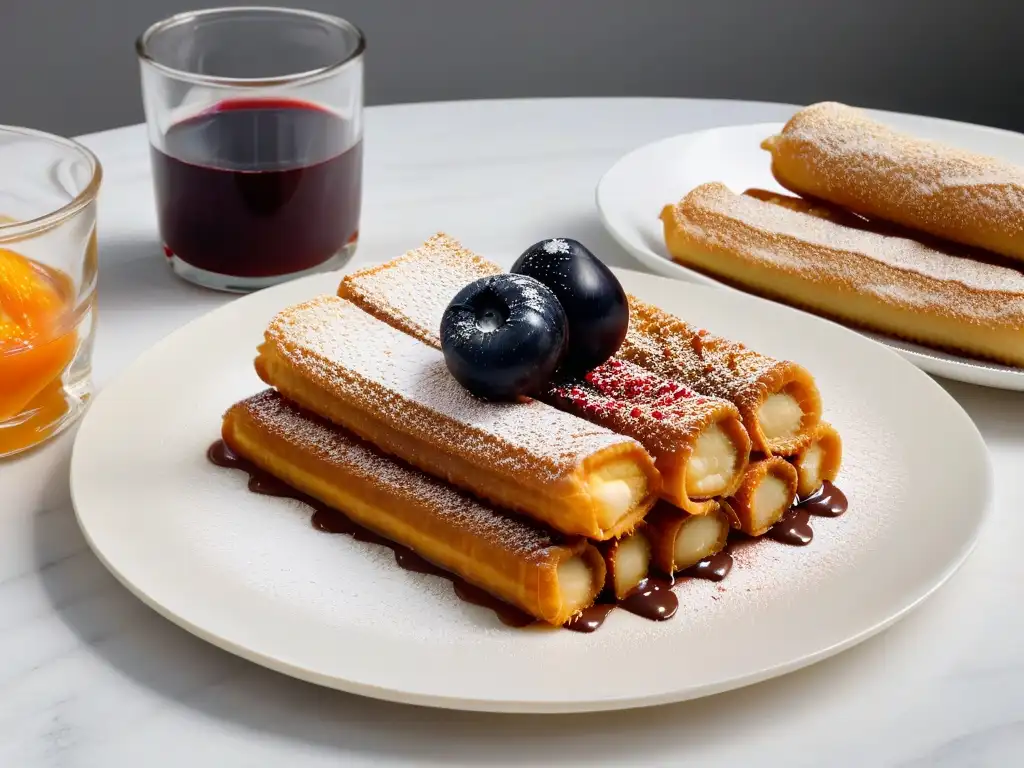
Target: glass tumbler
x=255, y=128
x=48, y=263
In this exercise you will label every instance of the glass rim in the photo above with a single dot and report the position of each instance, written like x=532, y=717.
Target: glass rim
x=16, y=230
x=144, y=55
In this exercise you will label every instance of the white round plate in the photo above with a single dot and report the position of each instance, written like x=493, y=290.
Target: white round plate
x=631, y=195
x=249, y=573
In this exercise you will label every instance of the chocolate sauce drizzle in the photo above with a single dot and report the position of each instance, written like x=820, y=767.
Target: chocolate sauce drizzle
x=590, y=619
x=794, y=527
x=653, y=599
x=714, y=568
x=827, y=501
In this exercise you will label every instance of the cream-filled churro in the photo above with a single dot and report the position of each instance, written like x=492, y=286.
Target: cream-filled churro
x=818, y=461
x=838, y=154
x=698, y=443
x=551, y=577
x=767, y=491
x=336, y=360
x=627, y=562
x=680, y=540
x=888, y=284
x=777, y=399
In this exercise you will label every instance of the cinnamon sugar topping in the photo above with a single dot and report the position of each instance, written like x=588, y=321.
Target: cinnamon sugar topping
x=854, y=143
x=711, y=365
x=850, y=159
x=776, y=235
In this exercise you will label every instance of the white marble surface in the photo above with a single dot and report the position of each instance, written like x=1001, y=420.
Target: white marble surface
x=89, y=676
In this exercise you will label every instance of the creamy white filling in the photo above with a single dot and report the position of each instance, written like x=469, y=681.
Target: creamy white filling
x=780, y=415
x=632, y=562
x=576, y=581
x=712, y=465
x=696, y=540
x=809, y=467
x=770, y=499
x=614, y=499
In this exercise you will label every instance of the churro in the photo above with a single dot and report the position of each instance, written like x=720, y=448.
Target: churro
x=893, y=285
x=818, y=461
x=680, y=540
x=338, y=361
x=551, y=577
x=837, y=153
x=767, y=491
x=777, y=399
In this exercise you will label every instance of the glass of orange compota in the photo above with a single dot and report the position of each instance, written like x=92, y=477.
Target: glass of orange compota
x=48, y=264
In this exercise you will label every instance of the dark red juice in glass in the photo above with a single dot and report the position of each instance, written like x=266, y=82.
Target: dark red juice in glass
x=258, y=188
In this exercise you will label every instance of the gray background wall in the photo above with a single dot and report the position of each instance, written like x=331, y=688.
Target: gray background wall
x=68, y=65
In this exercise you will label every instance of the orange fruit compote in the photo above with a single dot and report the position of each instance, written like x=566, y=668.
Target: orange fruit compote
x=37, y=343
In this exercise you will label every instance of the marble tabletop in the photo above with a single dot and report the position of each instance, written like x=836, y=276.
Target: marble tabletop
x=90, y=676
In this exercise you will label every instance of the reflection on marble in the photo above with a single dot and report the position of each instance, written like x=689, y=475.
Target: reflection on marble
x=91, y=677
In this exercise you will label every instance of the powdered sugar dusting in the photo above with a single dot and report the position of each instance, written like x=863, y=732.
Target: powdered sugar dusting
x=793, y=241
x=556, y=245
x=405, y=383
x=415, y=289
x=400, y=484
x=940, y=188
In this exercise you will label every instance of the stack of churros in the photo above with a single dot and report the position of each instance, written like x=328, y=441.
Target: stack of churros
x=698, y=421
x=633, y=468
x=891, y=233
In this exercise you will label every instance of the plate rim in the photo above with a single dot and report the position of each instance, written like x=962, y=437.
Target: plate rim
x=442, y=701
x=953, y=367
